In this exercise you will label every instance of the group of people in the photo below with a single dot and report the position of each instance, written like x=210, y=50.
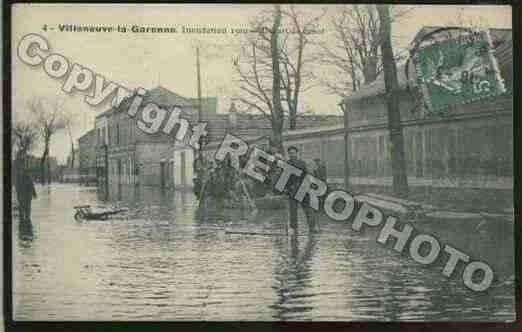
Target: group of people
x=218, y=180
x=222, y=182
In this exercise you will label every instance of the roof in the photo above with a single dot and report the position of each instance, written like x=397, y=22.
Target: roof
x=377, y=87
x=165, y=98
x=257, y=125
x=504, y=54
x=87, y=135
x=104, y=113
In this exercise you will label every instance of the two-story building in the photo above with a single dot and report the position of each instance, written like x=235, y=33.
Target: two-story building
x=127, y=155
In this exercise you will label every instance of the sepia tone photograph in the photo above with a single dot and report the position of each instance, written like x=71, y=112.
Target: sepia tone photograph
x=276, y=162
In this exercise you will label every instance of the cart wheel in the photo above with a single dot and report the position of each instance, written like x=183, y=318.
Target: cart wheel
x=78, y=215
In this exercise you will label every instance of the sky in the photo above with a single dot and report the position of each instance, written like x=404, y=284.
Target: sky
x=148, y=60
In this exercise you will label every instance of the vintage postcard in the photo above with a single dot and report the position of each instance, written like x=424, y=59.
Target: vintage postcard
x=221, y=162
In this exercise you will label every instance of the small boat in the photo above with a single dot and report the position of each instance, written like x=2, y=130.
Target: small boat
x=86, y=212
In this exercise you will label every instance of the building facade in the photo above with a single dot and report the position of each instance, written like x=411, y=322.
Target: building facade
x=87, y=156
x=127, y=155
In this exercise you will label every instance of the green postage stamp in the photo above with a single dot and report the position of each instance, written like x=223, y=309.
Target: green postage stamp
x=457, y=71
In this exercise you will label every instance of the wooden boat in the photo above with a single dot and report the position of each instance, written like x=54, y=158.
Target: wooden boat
x=86, y=212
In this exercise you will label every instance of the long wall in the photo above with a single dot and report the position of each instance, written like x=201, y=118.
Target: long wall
x=470, y=145
x=478, y=146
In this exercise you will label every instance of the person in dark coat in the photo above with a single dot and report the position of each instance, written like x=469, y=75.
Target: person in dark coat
x=320, y=170
x=293, y=186
x=320, y=173
x=25, y=192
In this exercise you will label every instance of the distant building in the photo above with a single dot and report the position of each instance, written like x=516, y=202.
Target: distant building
x=87, y=156
x=71, y=173
x=126, y=155
x=254, y=127
x=33, y=164
x=73, y=160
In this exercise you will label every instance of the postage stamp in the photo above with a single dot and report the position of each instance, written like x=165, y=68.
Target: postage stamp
x=458, y=70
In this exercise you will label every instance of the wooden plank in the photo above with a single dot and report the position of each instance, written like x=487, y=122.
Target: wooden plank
x=259, y=233
x=400, y=201
x=453, y=215
x=81, y=206
x=382, y=204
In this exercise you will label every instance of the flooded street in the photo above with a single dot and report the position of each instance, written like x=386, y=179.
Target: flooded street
x=161, y=261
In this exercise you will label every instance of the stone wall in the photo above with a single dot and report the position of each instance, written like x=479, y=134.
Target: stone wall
x=448, y=149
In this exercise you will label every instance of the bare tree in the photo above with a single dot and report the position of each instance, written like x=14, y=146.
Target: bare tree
x=277, y=107
x=25, y=137
x=391, y=82
x=295, y=58
x=272, y=64
x=49, y=117
x=355, y=54
x=68, y=123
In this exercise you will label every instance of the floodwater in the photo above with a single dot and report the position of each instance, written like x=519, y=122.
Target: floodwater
x=164, y=261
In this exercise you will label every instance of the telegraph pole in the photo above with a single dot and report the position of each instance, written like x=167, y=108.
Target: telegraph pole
x=199, y=83
x=344, y=108
x=400, y=178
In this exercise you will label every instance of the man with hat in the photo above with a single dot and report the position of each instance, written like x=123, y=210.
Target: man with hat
x=293, y=186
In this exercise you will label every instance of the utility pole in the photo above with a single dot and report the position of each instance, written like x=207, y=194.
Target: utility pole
x=391, y=83
x=199, y=83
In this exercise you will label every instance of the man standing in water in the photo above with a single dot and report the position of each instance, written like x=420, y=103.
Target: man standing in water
x=293, y=185
x=25, y=191
x=320, y=170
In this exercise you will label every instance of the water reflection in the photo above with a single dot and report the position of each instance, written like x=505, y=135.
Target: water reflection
x=161, y=261
x=292, y=278
x=25, y=233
